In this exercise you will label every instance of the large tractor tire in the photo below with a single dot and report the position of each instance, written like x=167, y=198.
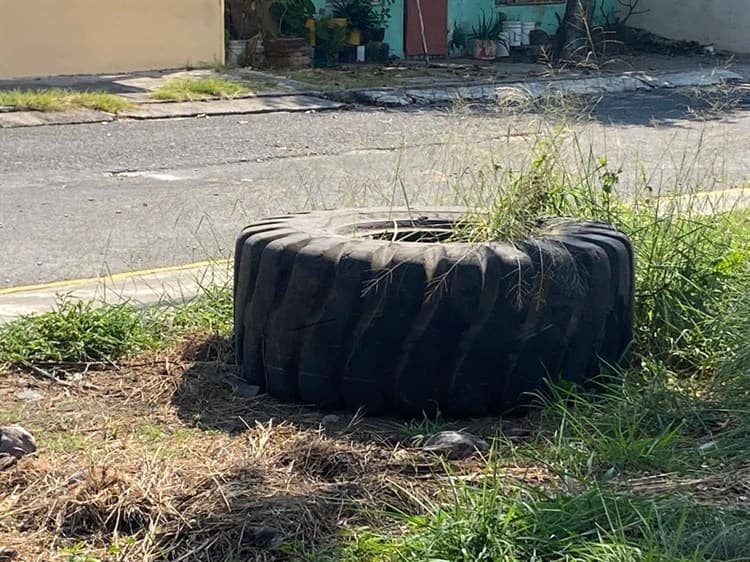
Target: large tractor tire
x=374, y=309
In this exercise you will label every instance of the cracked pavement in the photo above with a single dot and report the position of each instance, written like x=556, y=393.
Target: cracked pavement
x=82, y=200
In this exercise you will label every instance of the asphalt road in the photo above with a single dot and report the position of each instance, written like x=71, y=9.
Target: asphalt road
x=80, y=200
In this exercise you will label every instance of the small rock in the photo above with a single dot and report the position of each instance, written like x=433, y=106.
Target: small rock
x=16, y=441
x=7, y=554
x=455, y=445
x=246, y=390
x=330, y=419
x=28, y=394
x=260, y=537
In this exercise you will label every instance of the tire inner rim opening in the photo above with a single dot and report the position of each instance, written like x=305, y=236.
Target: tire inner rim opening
x=423, y=230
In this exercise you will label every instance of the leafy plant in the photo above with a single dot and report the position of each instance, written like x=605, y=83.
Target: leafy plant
x=77, y=331
x=384, y=14
x=290, y=16
x=459, y=39
x=330, y=39
x=359, y=13
x=488, y=29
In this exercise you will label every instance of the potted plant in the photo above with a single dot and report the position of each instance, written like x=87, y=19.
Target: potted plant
x=360, y=17
x=459, y=40
x=330, y=39
x=286, y=43
x=486, y=35
x=383, y=17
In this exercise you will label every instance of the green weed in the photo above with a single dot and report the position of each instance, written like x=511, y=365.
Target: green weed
x=210, y=311
x=58, y=99
x=692, y=255
x=492, y=521
x=192, y=89
x=77, y=332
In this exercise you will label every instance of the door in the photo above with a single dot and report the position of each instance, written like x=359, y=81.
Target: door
x=435, y=17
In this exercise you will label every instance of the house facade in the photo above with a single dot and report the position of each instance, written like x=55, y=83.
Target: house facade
x=51, y=37
x=723, y=23
x=440, y=17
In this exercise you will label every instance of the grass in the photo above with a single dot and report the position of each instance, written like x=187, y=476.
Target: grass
x=81, y=332
x=58, y=99
x=192, y=89
x=160, y=458
x=77, y=332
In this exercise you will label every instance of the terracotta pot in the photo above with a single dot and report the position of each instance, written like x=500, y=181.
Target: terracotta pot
x=485, y=49
x=287, y=52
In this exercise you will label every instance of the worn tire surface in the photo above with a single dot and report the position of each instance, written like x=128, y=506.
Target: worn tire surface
x=329, y=312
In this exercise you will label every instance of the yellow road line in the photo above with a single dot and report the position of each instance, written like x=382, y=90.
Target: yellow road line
x=113, y=277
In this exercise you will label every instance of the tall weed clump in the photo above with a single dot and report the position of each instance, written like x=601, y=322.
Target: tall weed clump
x=692, y=254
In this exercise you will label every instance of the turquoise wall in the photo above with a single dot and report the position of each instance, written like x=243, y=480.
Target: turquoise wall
x=466, y=13
x=394, y=33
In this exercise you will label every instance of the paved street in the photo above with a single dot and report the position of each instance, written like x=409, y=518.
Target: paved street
x=80, y=200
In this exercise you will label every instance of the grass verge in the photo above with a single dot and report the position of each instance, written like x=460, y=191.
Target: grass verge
x=194, y=89
x=58, y=99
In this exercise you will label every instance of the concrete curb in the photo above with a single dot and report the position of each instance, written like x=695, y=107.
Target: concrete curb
x=488, y=92
x=170, y=110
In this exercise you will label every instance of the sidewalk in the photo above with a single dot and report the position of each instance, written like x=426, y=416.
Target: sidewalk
x=171, y=285
x=441, y=84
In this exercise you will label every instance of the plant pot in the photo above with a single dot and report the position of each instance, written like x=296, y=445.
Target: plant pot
x=377, y=52
x=485, y=49
x=377, y=35
x=286, y=52
x=340, y=22
x=348, y=54
x=310, y=25
x=236, y=51
x=354, y=37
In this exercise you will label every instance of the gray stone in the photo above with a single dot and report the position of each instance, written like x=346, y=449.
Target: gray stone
x=28, y=394
x=384, y=97
x=16, y=441
x=7, y=554
x=247, y=390
x=330, y=419
x=261, y=537
x=455, y=444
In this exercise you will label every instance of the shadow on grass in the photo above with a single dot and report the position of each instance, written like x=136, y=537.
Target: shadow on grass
x=247, y=515
x=211, y=395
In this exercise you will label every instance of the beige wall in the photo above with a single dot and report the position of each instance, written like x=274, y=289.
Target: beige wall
x=48, y=37
x=725, y=23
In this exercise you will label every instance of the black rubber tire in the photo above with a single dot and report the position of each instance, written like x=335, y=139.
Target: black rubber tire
x=327, y=313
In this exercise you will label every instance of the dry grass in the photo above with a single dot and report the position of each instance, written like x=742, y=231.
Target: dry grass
x=163, y=459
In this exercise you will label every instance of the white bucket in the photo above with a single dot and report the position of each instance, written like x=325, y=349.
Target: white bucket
x=503, y=44
x=236, y=51
x=513, y=28
x=526, y=28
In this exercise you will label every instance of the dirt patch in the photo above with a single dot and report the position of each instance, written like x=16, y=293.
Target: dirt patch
x=163, y=459
x=457, y=71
